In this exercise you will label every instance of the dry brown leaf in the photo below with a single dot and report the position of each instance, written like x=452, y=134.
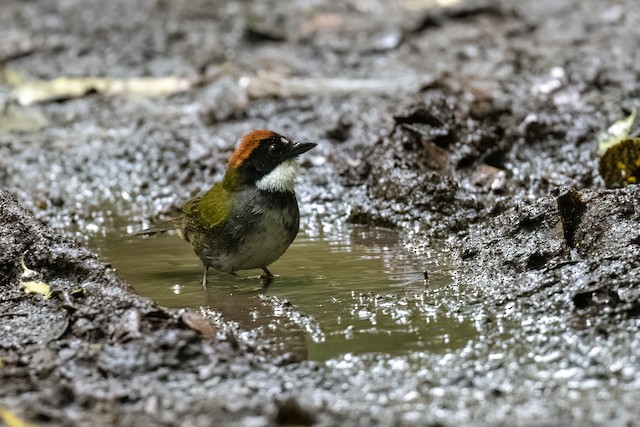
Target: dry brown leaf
x=200, y=323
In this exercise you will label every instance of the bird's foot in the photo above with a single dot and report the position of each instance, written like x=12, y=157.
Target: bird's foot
x=266, y=278
x=204, y=278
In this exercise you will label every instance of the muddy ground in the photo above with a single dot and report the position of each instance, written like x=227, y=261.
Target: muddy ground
x=475, y=124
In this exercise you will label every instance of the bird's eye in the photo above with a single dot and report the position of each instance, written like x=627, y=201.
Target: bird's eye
x=274, y=149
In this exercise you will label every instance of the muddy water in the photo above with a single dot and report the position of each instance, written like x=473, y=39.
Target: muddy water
x=353, y=291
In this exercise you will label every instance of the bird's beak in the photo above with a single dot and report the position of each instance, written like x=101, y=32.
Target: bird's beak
x=298, y=148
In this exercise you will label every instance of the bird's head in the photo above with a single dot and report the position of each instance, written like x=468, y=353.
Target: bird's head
x=265, y=159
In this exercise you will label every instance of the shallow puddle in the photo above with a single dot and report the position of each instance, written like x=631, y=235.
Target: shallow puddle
x=356, y=291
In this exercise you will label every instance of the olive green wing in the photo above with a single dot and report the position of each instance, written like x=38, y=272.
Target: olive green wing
x=207, y=211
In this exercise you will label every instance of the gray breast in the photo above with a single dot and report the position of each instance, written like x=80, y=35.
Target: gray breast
x=263, y=224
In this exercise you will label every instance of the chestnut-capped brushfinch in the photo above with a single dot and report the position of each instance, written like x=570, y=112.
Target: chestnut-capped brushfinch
x=249, y=219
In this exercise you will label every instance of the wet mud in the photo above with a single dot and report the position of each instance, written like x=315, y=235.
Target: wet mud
x=473, y=126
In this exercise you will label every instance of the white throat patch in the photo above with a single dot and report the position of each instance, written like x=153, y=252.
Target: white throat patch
x=281, y=178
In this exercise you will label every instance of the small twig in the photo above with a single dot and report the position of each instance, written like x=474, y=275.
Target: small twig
x=12, y=314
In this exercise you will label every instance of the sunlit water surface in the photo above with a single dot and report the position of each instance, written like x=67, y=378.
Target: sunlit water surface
x=358, y=291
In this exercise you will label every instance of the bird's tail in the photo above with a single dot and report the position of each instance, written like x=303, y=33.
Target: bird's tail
x=161, y=227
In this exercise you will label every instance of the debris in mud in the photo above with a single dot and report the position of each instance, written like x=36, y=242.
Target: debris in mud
x=37, y=288
x=28, y=92
x=620, y=161
x=31, y=283
x=617, y=132
x=200, y=323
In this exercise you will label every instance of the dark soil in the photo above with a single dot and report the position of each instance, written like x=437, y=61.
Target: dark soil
x=483, y=133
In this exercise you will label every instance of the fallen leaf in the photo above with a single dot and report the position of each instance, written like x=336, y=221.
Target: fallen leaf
x=37, y=288
x=10, y=419
x=200, y=323
x=616, y=133
x=30, y=284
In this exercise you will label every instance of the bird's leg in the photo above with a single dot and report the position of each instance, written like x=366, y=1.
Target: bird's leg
x=266, y=278
x=204, y=278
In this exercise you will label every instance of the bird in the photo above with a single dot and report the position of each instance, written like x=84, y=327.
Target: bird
x=250, y=218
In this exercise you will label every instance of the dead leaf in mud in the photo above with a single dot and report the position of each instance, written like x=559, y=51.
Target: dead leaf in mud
x=616, y=133
x=10, y=419
x=129, y=327
x=31, y=286
x=200, y=323
x=620, y=165
x=34, y=91
x=37, y=288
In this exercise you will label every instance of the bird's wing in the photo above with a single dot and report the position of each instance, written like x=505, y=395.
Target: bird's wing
x=191, y=211
x=206, y=211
